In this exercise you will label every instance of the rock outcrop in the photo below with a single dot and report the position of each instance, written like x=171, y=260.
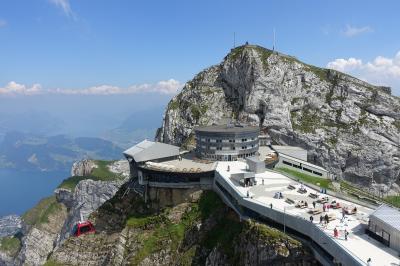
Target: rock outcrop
x=83, y=168
x=40, y=240
x=48, y=224
x=348, y=126
x=205, y=232
x=86, y=198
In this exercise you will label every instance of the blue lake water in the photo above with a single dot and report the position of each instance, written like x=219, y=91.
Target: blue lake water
x=21, y=190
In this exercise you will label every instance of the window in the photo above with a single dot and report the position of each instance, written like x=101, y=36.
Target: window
x=244, y=147
x=244, y=140
x=232, y=141
x=84, y=229
x=316, y=173
x=208, y=140
x=306, y=169
x=219, y=148
x=219, y=140
x=287, y=163
x=233, y=148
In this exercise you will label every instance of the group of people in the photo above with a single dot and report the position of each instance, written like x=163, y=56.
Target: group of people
x=324, y=219
x=336, y=233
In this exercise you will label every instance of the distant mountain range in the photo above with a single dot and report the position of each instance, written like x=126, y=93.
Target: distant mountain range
x=25, y=151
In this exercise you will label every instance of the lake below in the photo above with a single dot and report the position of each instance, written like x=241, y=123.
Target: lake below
x=21, y=190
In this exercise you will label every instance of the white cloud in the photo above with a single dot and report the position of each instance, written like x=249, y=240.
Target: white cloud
x=381, y=70
x=351, y=31
x=13, y=88
x=170, y=86
x=65, y=7
x=345, y=64
x=3, y=23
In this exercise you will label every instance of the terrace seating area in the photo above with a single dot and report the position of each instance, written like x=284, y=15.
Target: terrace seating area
x=304, y=202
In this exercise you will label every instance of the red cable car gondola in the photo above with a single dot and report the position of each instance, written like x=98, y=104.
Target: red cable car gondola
x=82, y=228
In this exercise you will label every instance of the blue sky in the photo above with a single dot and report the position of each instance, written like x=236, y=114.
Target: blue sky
x=108, y=45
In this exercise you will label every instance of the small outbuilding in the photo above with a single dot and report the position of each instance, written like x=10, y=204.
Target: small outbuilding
x=384, y=226
x=255, y=165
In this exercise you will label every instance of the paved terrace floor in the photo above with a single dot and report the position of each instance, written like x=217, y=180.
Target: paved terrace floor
x=358, y=243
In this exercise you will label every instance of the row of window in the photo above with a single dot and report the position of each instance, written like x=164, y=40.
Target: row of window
x=302, y=168
x=220, y=148
x=230, y=140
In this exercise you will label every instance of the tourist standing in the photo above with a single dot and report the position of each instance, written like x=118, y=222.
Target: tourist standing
x=313, y=203
x=335, y=232
x=345, y=234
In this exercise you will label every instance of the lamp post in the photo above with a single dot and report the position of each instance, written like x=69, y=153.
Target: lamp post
x=284, y=219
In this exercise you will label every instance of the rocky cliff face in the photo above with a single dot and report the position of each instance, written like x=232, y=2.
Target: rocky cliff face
x=201, y=232
x=348, y=126
x=82, y=168
x=48, y=224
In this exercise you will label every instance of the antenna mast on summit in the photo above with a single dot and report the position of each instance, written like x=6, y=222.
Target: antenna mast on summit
x=234, y=40
x=273, y=45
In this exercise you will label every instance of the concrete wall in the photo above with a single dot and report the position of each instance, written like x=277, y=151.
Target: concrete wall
x=339, y=252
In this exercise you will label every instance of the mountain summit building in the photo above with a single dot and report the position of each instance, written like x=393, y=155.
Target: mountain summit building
x=226, y=142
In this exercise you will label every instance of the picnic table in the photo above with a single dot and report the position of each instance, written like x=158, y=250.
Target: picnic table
x=291, y=187
x=290, y=201
x=315, y=211
x=323, y=200
x=331, y=216
x=313, y=195
x=301, y=205
x=302, y=190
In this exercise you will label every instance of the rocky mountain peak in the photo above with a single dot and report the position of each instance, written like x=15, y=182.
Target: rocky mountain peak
x=349, y=126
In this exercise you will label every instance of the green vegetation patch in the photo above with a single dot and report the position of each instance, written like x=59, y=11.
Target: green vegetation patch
x=52, y=262
x=198, y=110
x=41, y=212
x=161, y=232
x=10, y=245
x=101, y=172
x=234, y=54
x=173, y=105
x=325, y=183
x=393, y=200
x=306, y=121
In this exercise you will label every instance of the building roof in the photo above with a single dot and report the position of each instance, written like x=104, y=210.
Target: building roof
x=282, y=148
x=388, y=215
x=254, y=159
x=227, y=128
x=150, y=150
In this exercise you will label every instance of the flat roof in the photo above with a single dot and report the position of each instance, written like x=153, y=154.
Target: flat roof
x=388, y=215
x=188, y=163
x=150, y=150
x=279, y=148
x=227, y=128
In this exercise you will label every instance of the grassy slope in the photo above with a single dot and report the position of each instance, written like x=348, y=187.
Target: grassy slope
x=322, y=182
x=159, y=229
x=41, y=212
x=101, y=172
x=10, y=245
